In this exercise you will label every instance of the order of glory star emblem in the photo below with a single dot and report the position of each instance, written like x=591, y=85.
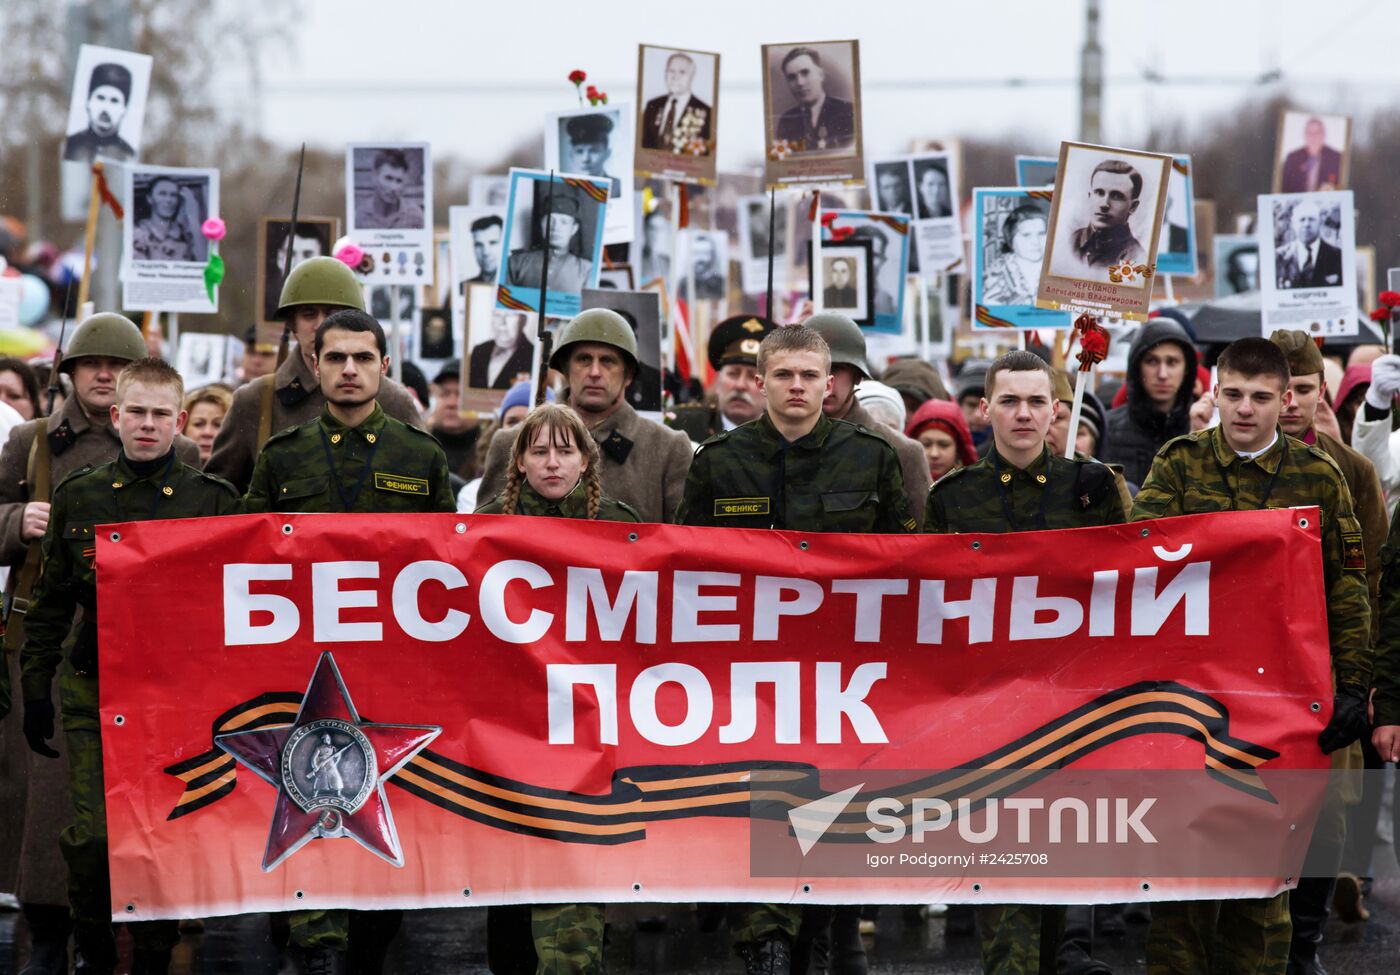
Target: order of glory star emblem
x=329, y=768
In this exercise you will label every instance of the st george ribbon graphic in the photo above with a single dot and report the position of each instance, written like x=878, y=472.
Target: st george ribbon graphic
x=328, y=767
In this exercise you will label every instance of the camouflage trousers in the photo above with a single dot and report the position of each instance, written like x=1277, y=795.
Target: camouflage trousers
x=568, y=938
x=84, y=841
x=1020, y=939
x=752, y=923
x=320, y=929
x=1234, y=937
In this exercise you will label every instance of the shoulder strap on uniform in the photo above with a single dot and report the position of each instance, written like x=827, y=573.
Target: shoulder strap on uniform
x=40, y=471
x=40, y=478
x=265, y=392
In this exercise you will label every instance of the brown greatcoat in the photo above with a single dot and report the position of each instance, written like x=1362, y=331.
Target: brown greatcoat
x=34, y=805
x=912, y=462
x=296, y=400
x=1368, y=501
x=643, y=463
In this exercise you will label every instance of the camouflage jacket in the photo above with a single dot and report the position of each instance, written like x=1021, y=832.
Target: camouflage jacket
x=86, y=498
x=323, y=465
x=296, y=399
x=913, y=465
x=1387, y=678
x=572, y=505
x=1200, y=473
x=838, y=478
x=993, y=496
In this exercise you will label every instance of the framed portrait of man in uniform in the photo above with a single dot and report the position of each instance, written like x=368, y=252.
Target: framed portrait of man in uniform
x=597, y=142
x=846, y=282
x=164, y=247
x=1105, y=224
x=108, y=106
x=677, y=113
x=562, y=218
x=313, y=238
x=389, y=207
x=888, y=237
x=812, y=113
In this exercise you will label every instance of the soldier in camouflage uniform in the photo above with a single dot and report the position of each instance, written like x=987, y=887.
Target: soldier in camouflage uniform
x=733, y=354
x=291, y=396
x=146, y=481
x=352, y=458
x=1248, y=463
x=849, y=367
x=554, y=472
x=794, y=468
x=1021, y=486
x=37, y=456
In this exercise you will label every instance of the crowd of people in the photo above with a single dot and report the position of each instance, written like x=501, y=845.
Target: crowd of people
x=798, y=417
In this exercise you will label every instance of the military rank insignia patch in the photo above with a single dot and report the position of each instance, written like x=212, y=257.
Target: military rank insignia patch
x=1353, y=552
x=734, y=507
x=401, y=485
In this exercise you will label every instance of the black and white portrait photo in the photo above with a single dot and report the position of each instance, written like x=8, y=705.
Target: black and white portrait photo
x=200, y=358
x=489, y=191
x=502, y=353
x=1013, y=248
x=754, y=240
x=475, y=234
x=597, y=142
x=563, y=218
x=108, y=105
x=167, y=209
x=653, y=246
x=434, y=335
x=888, y=238
x=709, y=263
x=891, y=186
x=642, y=311
x=1314, y=152
x=846, y=280
x=1307, y=249
x=313, y=238
x=164, y=247
x=1106, y=212
x=389, y=185
x=812, y=110
x=1236, y=264
x=381, y=303
x=677, y=104
x=923, y=187
x=1308, y=262
x=933, y=187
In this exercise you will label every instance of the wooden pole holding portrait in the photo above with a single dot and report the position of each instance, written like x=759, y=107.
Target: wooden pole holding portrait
x=817, y=252
x=90, y=233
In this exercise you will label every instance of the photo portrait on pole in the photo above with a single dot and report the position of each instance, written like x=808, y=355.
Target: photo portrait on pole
x=1314, y=152
x=1105, y=221
x=846, y=281
x=1010, y=231
x=597, y=142
x=164, y=245
x=499, y=350
x=313, y=238
x=1307, y=262
x=677, y=114
x=888, y=236
x=925, y=188
x=1236, y=264
x=572, y=210
x=812, y=113
x=389, y=207
x=708, y=254
x=108, y=106
x=653, y=245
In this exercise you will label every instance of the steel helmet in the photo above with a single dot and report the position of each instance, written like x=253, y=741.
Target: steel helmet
x=845, y=338
x=321, y=281
x=105, y=334
x=595, y=325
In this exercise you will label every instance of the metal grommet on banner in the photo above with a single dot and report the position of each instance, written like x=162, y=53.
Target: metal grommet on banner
x=976, y=546
x=116, y=536
x=1146, y=886
x=1316, y=707
x=1293, y=827
x=1302, y=523
x=466, y=891
x=806, y=888
x=977, y=888
x=803, y=545
x=631, y=536
x=636, y=888
x=1145, y=533
x=131, y=908
x=1261, y=670
x=286, y=529
x=460, y=528
x=119, y=719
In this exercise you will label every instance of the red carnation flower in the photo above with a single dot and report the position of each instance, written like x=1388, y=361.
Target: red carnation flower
x=577, y=76
x=1390, y=298
x=1381, y=315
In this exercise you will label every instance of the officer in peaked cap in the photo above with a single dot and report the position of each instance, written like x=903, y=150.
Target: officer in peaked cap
x=733, y=354
x=590, y=148
x=560, y=226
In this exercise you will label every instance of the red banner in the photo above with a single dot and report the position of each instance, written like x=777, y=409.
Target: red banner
x=503, y=710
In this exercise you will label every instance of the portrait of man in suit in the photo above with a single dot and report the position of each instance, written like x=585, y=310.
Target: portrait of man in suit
x=1307, y=261
x=500, y=361
x=819, y=121
x=673, y=121
x=1315, y=165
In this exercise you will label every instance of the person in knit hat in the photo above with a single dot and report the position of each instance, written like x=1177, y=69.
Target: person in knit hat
x=940, y=428
x=882, y=403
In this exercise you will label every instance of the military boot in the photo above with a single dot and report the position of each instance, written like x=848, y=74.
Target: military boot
x=769, y=957
x=847, y=948
x=1308, y=905
x=149, y=961
x=49, y=927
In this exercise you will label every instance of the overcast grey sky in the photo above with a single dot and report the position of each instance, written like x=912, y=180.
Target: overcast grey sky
x=477, y=78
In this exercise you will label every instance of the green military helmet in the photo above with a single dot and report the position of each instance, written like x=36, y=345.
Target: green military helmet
x=105, y=334
x=321, y=281
x=595, y=325
x=845, y=338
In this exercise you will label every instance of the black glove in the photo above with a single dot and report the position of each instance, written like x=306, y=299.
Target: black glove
x=1348, y=720
x=38, y=726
